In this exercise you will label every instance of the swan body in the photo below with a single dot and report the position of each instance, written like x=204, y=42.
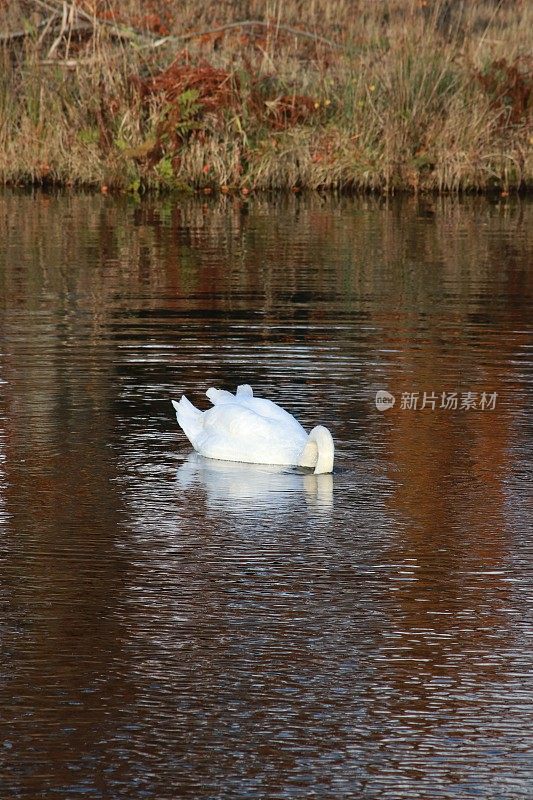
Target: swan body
x=241, y=427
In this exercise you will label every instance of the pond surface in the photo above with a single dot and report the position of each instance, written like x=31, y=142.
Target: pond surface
x=173, y=627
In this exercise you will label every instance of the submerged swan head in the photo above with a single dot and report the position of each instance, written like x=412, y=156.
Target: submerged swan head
x=319, y=451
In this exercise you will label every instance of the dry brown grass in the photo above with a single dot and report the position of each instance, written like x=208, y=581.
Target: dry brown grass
x=416, y=95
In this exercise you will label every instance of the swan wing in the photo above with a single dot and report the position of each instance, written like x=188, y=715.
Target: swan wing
x=244, y=398
x=237, y=421
x=236, y=433
x=270, y=410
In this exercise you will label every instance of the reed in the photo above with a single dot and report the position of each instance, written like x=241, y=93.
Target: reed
x=386, y=97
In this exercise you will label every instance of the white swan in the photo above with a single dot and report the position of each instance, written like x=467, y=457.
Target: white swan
x=241, y=427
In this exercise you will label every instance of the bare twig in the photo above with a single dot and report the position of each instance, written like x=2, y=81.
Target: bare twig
x=67, y=63
x=57, y=40
x=46, y=28
x=251, y=23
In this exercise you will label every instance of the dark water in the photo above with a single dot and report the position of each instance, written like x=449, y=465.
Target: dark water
x=172, y=627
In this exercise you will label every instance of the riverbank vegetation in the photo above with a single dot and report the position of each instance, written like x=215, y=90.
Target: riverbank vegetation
x=247, y=95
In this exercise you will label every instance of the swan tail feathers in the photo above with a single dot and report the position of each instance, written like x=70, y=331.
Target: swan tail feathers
x=218, y=396
x=189, y=418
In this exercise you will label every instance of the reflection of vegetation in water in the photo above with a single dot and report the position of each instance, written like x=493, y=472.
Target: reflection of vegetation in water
x=390, y=95
x=411, y=255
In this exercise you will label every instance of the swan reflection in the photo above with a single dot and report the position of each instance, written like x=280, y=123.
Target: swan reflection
x=254, y=485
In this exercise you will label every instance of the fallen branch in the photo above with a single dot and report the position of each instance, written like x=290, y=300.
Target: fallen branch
x=12, y=37
x=251, y=23
x=127, y=32
x=67, y=12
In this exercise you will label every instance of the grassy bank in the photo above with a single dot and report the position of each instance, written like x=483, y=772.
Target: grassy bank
x=384, y=96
